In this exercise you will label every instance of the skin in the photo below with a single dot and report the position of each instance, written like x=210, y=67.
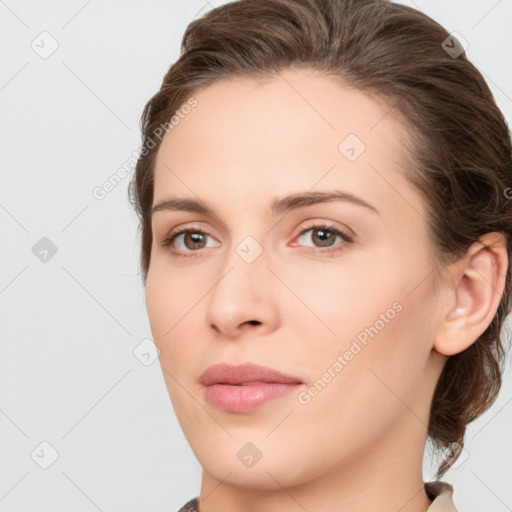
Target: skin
x=358, y=444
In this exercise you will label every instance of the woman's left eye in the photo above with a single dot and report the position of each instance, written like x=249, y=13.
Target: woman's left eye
x=325, y=236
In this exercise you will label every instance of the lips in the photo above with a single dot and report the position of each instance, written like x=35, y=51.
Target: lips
x=244, y=374
x=246, y=387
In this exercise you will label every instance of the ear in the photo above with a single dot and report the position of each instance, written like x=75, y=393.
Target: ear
x=477, y=287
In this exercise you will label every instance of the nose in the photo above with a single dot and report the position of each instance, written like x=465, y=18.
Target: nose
x=244, y=298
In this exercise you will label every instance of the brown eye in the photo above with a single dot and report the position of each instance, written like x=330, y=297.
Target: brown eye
x=194, y=239
x=188, y=241
x=325, y=236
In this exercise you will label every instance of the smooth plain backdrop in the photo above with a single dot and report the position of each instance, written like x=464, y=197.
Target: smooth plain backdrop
x=85, y=420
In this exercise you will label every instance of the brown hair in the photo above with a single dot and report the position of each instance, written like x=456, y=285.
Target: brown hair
x=459, y=143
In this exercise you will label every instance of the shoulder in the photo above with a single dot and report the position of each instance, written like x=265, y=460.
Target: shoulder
x=441, y=494
x=190, y=506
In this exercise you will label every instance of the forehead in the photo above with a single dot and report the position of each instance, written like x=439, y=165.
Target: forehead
x=294, y=130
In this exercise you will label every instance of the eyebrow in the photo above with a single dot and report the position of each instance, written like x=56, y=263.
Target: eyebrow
x=278, y=206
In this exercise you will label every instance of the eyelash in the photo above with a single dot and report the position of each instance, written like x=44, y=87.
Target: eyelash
x=169, y=239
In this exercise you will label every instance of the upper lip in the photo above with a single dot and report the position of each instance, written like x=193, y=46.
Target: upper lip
x=248, y=372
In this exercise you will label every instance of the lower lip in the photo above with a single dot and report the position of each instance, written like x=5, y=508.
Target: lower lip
x=246, y=398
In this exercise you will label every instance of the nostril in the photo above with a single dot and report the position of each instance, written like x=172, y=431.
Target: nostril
x=253, y=322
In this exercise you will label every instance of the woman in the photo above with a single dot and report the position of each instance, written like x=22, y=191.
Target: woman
x=326, y=236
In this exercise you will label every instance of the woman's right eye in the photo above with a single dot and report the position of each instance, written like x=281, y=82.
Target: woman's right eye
x=188, y=240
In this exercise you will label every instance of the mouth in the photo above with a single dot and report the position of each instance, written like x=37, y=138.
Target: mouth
x=241, y=384
x=246, y=387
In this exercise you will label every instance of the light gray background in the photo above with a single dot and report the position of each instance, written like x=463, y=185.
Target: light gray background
x=69, y=326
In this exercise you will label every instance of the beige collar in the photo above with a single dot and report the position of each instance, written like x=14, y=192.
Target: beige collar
x=441, y=493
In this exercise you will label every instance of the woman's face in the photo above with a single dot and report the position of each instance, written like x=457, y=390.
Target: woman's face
x=351, y=317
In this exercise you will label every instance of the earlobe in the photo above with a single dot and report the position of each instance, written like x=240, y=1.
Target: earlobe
x=478, y=290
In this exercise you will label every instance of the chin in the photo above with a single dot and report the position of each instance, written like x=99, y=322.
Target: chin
x=277, y=465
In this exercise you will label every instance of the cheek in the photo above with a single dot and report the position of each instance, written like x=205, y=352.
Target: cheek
x=170, y=300
x=171, y=293
x=372, y=330
x=359, y=389
x=339, y=298
x=170, y=314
